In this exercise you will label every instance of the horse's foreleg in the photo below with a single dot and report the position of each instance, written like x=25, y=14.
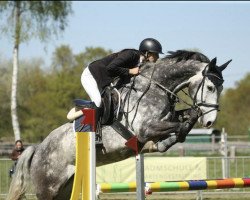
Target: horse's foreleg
x=164, y=145
x=169, y=133
x=180, y=136
x=157, y=129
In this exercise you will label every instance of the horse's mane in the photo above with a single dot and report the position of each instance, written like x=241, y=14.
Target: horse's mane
x=180, y=55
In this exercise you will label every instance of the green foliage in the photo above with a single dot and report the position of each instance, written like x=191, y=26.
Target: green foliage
x=24, y=20
x=235, y=109
x=45, y=97
x=5, y=90
x=40, y=19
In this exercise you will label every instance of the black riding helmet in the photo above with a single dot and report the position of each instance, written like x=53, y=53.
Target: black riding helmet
x=150, y=45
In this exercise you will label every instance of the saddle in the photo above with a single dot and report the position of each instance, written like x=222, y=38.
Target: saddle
x=106, y=114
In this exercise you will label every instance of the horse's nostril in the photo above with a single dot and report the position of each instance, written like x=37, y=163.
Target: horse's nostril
x=209, y=123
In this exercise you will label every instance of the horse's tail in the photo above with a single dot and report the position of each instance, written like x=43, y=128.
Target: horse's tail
x=21, y=176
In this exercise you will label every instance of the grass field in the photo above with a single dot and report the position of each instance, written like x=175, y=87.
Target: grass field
x=4, y=175
x=180, y=196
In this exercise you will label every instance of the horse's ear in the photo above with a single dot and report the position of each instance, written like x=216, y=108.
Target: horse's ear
x=213, y=62
x=210, y=66
x=222, y=67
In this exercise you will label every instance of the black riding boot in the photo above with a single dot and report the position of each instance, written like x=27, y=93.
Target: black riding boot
x=98, y=114
x=98, y=138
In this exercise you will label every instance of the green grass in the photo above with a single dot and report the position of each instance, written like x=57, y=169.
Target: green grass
x=5, y=165
x=238, y=168
x=178, y=196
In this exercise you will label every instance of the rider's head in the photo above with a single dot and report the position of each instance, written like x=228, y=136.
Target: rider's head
x=150, y=48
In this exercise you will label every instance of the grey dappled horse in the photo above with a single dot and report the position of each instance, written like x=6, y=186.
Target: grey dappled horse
x=150, y=111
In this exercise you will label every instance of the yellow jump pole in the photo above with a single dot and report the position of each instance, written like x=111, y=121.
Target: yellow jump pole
x=85, y=176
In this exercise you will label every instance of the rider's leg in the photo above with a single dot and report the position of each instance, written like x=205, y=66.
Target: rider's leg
x=90, y=86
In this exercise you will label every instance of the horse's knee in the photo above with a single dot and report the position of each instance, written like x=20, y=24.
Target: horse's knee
x=143, y=137
x=183, y=131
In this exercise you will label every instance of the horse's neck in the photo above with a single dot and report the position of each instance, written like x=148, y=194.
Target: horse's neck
x=172, y=75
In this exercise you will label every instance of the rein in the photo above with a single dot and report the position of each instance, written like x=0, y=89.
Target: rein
x=138, y=101
x=195, y=104
x=167, y=91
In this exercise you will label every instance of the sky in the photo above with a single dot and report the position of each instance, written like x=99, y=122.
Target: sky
x=217, y=29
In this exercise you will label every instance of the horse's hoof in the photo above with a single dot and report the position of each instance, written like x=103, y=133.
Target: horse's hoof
x=149, y=147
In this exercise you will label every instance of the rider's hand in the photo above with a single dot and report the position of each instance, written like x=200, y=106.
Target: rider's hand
x=134, y=71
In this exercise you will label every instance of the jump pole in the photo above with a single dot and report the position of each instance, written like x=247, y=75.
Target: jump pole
x=176, y=185
x=85, y=176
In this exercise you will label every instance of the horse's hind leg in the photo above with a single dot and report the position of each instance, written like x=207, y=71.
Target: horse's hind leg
x=65, y=191
x=59, y=190
x=41, y=196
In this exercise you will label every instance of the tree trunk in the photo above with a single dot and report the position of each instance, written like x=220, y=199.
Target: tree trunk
x=15, y=123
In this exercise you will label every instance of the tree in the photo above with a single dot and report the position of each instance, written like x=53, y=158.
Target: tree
x=5, y=89
x=27, y=19
x=46, y=96
x=235, y=110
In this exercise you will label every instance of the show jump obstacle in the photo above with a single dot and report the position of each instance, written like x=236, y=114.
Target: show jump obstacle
x=85, y=176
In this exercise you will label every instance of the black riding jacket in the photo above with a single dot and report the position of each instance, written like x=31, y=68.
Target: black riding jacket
x=115, y=65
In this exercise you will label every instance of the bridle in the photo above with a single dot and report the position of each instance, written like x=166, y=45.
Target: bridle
x=196, y=105
x=201, y=85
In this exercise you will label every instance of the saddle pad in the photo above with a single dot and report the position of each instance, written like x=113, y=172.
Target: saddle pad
x=79, y=127
x=84, y=103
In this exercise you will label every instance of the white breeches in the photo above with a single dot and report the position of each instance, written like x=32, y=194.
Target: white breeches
x=90, y=86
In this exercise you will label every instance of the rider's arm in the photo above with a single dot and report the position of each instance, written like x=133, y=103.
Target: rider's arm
x=122, y=63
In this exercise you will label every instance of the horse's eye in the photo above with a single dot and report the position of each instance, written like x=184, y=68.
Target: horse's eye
x=210, y=88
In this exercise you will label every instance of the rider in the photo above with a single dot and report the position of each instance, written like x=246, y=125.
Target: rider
x=100, y=73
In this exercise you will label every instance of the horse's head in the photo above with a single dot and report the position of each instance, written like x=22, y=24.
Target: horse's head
x=205, y=88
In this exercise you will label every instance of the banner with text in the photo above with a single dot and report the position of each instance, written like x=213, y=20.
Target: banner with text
x=156, y=169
